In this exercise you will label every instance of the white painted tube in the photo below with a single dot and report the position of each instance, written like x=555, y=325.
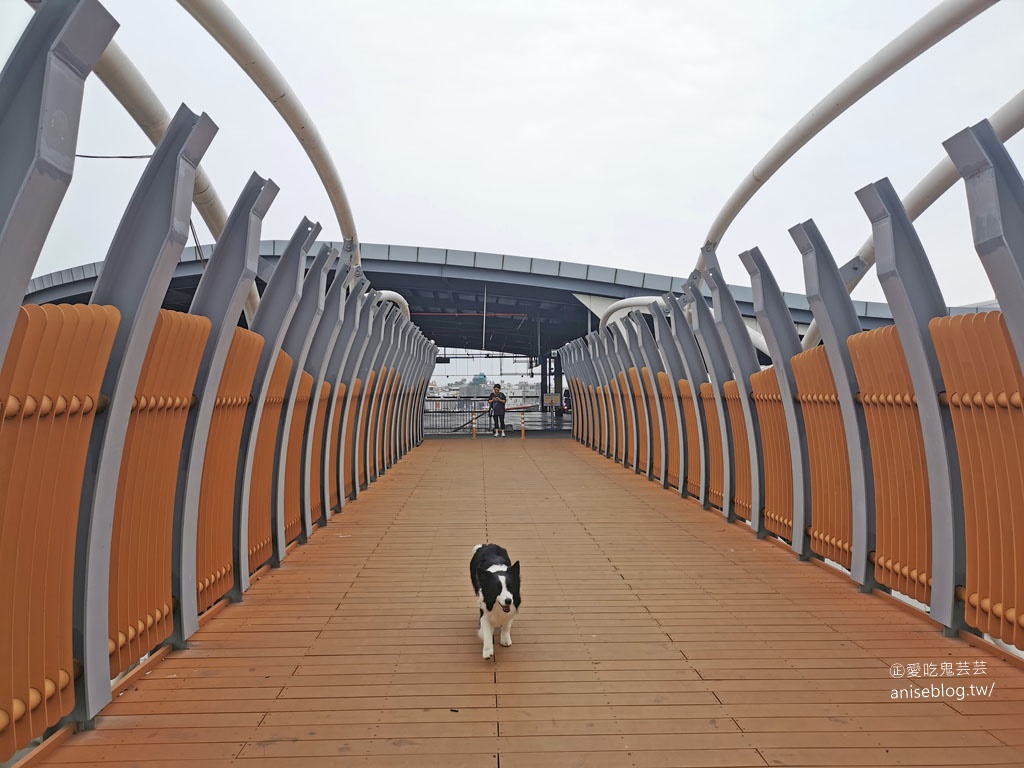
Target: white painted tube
x=398, y=299
x=1007, y=121
x=934, y=26
x=116, y=71
x=129, y=87
x=218, y=20
x=633, y=302
x=644, y=304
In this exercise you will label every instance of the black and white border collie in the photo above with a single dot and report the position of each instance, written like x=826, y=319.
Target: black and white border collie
x=496, y=583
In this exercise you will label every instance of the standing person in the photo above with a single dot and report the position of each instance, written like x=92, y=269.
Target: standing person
x=497, y=403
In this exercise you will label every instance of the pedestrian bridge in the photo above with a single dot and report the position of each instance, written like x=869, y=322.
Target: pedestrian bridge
x=652, y=633
x=224, y=538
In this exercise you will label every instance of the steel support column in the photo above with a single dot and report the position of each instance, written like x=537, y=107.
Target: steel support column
x=837, y=318
x=914, y=297
x=220, y=296
x=271, y=321
x=365, y=317
x=41, y=89
x=366, y=364
x=137, y=270
x=618, y=350
x=783, y=344
x=685, y=341
x=743, y=361
x=333, y=454
x=651, y=359
x=296, y=344
x=717, y=363
x=672, y=364
x=995, y=199
x=318, y=358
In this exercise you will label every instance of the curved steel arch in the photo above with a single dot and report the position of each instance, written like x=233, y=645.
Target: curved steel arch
x=229, y=32
x=224, y=27
x=927, y=31
x=930, y=29
x=1006, y=121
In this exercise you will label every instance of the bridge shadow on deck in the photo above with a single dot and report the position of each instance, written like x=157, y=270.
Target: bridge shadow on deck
x=652, y=634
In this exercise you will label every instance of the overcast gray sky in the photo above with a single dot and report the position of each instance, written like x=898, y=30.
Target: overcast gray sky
x=601, y=131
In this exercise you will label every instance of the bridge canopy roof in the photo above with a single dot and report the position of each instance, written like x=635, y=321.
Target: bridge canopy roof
x=532, y=305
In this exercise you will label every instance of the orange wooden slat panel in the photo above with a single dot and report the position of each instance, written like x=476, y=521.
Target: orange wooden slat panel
x=49, y=390
x=831, y=494
x=983, y=392
x=361, y=436
x=382, y=419
x=652, y=398
x=606, y=423
x=261, y=494
x=619, y=440
x=778, y=465
x=593, y=427
x=334, y=443
x=293, y=462
x=316, y=473
x=742, y=490
x=214, y=567
x=642, y=423
x=373, y=421
x=672, y=443
x=355, y=398
x=716, y=466
x=689, y=405
x=626, y=412
x=902, y=506
x=578, y=426
x=140, y=574
x=586, y=416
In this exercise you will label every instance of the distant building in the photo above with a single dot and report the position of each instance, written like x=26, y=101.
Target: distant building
x=475, y=390
x=526, y=388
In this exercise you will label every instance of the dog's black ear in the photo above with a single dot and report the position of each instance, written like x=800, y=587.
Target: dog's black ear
x=514, y=570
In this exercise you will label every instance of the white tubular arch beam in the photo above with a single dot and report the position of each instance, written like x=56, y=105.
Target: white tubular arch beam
x=633, y=302
x=116, y=71
x=643, y=303
x=935, y=25
x=218, y=20
x=397, y=299
x=1007, y=121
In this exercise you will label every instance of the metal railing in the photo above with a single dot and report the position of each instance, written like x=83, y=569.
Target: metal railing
x=150, y=460
x=455, y=415
x=895, y=453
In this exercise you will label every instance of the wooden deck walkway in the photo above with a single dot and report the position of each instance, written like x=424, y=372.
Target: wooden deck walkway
x=652, y=634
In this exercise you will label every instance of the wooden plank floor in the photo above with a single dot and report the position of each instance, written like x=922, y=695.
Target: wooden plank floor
x=652, y=634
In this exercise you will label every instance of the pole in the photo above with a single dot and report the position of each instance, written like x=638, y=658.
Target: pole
x=522, y=425
x=483, y=333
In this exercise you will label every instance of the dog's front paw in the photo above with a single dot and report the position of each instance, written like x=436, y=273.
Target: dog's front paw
x=488, y=653
x=506, y=640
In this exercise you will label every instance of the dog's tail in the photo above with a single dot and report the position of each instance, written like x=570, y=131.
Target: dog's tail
x=478, y=546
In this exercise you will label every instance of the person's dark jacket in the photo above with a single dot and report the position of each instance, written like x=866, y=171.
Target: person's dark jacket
x=497, y=403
